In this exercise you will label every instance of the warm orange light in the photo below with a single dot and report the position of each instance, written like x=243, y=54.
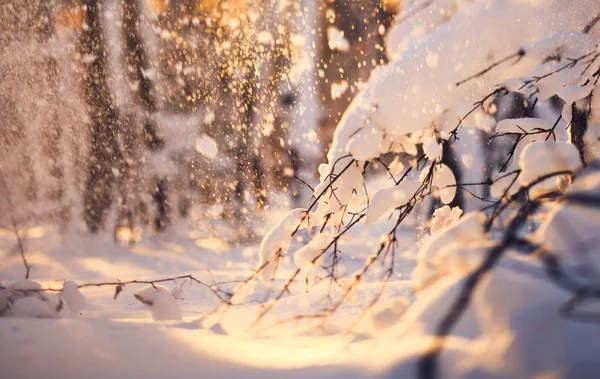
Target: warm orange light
x=70, y=18
x=158, y=6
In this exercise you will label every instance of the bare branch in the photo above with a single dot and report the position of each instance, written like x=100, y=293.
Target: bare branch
x=519, y=54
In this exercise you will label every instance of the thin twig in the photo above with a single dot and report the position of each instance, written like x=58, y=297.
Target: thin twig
x=15, y=227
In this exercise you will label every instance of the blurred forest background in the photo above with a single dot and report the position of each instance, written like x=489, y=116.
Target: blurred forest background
x=126, y=115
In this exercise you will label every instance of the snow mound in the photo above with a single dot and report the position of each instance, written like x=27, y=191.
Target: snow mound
x=160, y=302
x=25, y=298
x=73, y=297
x=25, y=285
x=543, y=158
x=32, y=306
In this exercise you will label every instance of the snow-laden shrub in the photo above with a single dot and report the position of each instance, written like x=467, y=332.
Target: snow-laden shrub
x=496, y=288
x=475, y=54
x=424, y=95
x=32, y=306
x=27, y=298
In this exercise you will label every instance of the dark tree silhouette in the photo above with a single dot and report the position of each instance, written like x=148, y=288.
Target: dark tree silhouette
x=360, y=21
x=138, y=63
x=104, y=148
x=578, y=127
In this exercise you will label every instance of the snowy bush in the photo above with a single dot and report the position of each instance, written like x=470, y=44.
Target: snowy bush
x=527, y=258
x=25, y=298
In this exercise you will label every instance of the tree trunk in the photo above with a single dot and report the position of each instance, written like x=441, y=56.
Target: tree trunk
x=159, y=194
x=450, y=159
x=251, y=136
x=578, y=129
x=53, y=132
x=138, y=62
x=366, y=40
x=104, y=150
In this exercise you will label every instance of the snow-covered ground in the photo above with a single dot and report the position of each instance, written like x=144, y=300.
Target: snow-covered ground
x=118, y=338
